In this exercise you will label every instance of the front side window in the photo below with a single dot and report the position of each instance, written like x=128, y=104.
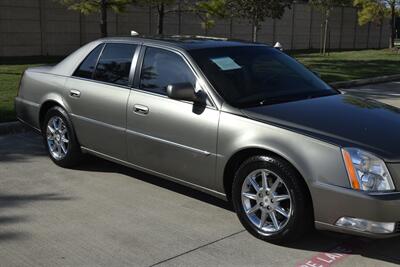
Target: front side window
x=86, y=68
x=115, y=64
x=258, y=75
x=162, y=68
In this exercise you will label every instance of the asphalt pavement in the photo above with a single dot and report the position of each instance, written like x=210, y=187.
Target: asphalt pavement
x=103, y=214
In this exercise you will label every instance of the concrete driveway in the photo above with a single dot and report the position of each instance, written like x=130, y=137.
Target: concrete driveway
x=103, y=214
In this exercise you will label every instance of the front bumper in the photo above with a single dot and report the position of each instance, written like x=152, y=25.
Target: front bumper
x=333, y=202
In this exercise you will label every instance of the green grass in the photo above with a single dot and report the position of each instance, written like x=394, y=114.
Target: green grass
x=337, y=66
x=10, y=73
x=9, y=79
x=350, y=65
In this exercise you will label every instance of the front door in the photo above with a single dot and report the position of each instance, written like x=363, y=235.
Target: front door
x=175, y=138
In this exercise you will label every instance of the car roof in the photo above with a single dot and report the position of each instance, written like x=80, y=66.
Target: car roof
x=186, y=42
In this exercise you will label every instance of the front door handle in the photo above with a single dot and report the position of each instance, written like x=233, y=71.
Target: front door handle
x=140, y=109
x=75, y=93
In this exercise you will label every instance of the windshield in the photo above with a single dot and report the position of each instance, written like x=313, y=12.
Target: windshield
x=257, y=75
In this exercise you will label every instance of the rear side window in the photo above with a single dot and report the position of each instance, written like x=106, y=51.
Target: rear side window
x=115, y=63
x=162, y=68
x=86, y=69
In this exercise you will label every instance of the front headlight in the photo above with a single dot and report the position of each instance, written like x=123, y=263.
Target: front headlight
x=366, y=172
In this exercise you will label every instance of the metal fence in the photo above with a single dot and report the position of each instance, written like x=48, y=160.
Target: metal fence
x=43, y=27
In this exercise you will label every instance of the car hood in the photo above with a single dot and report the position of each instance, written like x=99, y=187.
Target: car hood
x=343, y=120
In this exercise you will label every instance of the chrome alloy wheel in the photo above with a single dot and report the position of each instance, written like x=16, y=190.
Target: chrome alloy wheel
x=57, y=138
x=266, y=201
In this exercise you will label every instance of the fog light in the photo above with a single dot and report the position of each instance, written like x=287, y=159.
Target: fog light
x=366, y=226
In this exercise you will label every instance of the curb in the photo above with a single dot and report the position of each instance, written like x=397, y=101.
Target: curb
x=360, y=82
x=13, y=128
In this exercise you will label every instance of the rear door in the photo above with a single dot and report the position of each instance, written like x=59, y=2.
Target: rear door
x=171, y=137
x=98, y=93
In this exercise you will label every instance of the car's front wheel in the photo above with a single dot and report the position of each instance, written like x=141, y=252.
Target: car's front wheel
x=59, y=138
x=270, y=199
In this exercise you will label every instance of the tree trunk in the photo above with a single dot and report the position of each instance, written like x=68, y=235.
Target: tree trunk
x=255, y=33
x=161, y=14
x=392, y=25
x=103, y=21
x=255, y=30
x=230, y=27
x=325, y=32
x=321, y=39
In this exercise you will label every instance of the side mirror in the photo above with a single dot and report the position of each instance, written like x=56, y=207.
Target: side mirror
x=182, y=91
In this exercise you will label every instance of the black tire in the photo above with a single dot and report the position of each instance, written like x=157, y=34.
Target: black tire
x=301, y=215
x=73, y=154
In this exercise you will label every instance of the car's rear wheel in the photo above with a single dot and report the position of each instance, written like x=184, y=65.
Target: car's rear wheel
x=59, y=138
x=270, y=199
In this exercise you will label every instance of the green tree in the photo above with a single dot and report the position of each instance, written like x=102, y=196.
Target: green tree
x=97, y=6
x=326, y=6
x=163, y=7
x=376, y=11
x=256, y=11
x=209, y=10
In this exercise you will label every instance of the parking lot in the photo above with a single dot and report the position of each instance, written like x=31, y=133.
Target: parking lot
x=103, y=214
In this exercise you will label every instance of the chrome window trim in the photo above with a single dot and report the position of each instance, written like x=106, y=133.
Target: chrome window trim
x=101, y=82
x=135, y=66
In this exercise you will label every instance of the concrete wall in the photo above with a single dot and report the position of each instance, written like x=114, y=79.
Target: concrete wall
x=43, y=27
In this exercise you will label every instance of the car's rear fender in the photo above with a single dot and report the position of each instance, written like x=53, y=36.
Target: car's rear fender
x=37, y=88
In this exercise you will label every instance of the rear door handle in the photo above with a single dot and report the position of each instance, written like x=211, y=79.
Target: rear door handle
x=75, y=93
x=140, y=109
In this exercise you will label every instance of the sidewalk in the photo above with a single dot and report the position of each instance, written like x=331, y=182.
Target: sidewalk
x=388, y=93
